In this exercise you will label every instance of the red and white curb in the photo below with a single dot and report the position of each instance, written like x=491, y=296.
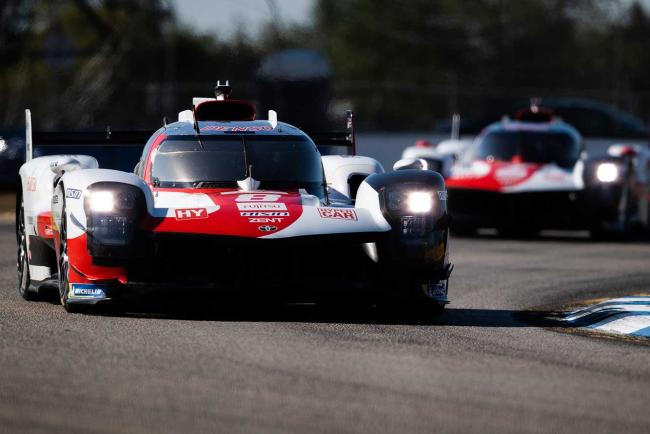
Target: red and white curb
x=626, y=316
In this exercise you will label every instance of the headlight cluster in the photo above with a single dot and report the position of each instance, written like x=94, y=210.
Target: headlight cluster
x=607, y=172
x=416, y=202
x=107, y=201
x=113, y=211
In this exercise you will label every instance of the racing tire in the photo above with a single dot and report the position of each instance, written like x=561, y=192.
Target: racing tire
x=600, y=231
x=22, y=262
x=64, y=267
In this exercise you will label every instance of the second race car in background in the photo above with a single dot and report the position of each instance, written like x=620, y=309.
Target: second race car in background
x=533, y=172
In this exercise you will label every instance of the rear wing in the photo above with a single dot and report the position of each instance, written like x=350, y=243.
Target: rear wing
x=66, y=142
x=120, y=150
x=95, y=143
x=332, y=140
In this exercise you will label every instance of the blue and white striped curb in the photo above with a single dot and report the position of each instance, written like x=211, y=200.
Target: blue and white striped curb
x=627, y=315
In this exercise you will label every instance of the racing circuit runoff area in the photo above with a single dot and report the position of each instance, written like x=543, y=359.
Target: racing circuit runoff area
x=490, y=363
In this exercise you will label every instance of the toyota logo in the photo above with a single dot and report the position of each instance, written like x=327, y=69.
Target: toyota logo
x=267, y=228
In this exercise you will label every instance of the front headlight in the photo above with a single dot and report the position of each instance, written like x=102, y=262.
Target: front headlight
x=113, y=212
x=101, y=201
x=416, y=202
x=607, y=172
x=107, y=201
x=419, y=202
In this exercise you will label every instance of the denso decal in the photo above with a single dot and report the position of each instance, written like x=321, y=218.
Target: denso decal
x=337, y=213
x=267, y=228
x=264, y=213
x=262, y=206
x=191, y=213
x=87, y=290
x=237, y=129
x=71, y=193
x=257, y=197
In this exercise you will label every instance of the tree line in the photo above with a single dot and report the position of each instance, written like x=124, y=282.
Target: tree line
x=400, y=65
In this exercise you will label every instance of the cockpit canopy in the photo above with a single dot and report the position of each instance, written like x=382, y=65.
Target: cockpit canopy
x=278, y=162
x=541, y=147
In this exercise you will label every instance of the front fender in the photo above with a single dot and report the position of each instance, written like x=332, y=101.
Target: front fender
x=72, y=189
x=419, y=236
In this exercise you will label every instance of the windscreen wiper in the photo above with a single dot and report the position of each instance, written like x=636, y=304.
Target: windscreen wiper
x=205, y=184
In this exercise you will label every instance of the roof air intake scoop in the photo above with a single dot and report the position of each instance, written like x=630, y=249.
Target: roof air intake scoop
x=222, y=91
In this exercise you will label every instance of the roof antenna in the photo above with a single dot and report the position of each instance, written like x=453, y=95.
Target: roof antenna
x=108, y=132
x=222, y=91
x=535, y=102
x=165, y=121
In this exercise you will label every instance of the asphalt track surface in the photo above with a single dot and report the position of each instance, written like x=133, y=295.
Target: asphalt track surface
x=478, y=368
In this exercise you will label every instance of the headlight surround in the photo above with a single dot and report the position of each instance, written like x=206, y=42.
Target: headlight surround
x=113, y=211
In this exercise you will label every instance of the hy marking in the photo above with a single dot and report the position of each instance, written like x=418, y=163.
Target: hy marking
x=626, y=316
x=191, y=213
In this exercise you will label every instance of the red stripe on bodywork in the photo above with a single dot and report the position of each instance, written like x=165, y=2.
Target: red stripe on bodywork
x=44, y=225
x=500, y=175
x=147, y=167
x=80, y=260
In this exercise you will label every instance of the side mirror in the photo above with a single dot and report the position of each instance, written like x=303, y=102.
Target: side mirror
x=411, y=163
x=64, y=164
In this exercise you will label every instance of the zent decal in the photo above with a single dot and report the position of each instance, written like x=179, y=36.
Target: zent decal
x=337, y=213
x=191, y=213
x=71, y=193
x=265, y=220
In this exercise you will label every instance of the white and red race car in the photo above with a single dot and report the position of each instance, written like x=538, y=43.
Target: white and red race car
x=223, y=202
x=533, y=172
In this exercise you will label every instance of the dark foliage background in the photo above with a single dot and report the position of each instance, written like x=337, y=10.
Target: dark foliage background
x=400, y=65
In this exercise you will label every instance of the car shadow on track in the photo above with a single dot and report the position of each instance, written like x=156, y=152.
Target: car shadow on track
x=218, y=310
x=314, y=313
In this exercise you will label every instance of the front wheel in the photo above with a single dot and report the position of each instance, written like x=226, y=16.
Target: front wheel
x=64, y=267
x=23, y=258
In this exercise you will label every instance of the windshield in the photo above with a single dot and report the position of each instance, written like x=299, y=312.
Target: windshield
x=529, y=146
x=278, y=162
